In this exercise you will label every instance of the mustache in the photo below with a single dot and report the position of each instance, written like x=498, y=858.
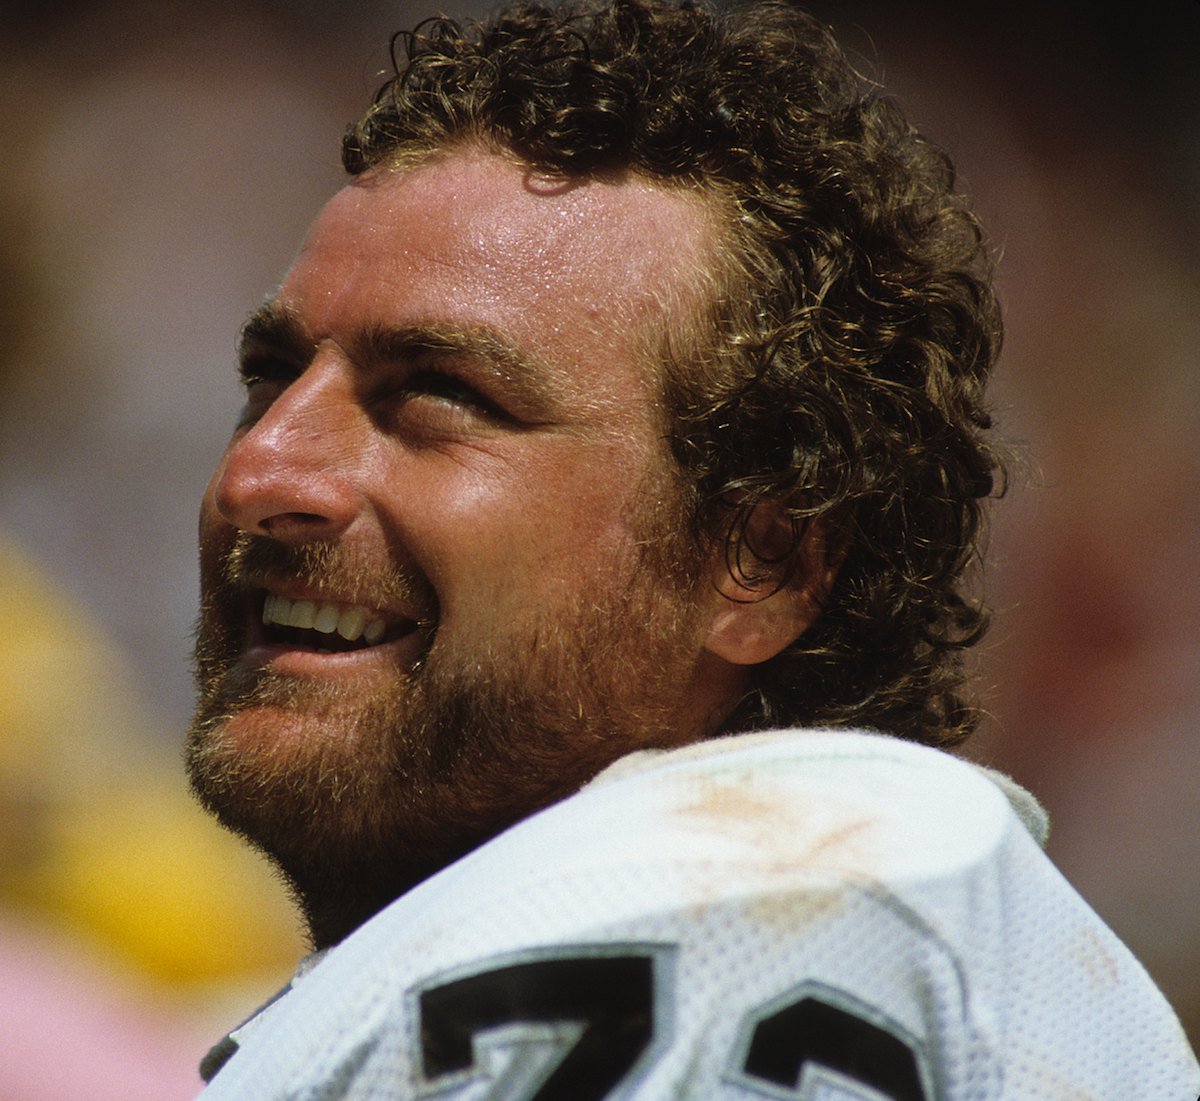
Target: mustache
x=254, y=561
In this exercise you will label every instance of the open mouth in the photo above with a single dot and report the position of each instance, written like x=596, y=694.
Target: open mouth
x=327, y=626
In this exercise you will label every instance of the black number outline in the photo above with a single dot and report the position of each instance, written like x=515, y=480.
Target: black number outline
x=821, y=1026
x=612, y=989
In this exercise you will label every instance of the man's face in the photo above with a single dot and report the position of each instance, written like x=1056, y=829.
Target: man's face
x=452, y=454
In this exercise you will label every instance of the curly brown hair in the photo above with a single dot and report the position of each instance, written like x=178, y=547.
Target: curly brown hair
x=839, y=372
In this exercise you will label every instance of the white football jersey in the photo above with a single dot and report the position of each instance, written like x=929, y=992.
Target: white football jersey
x=802, y=915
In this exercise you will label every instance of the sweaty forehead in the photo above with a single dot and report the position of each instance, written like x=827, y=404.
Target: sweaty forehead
x=506, y=238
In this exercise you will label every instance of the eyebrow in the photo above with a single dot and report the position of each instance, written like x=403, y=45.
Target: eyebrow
x=516, y=370
x=274, y=328
x=384, y=343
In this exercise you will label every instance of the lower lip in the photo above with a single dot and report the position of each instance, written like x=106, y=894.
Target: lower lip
x=400, y=653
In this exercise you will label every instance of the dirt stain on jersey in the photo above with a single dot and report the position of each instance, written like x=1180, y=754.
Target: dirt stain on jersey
x=791, y=911
x=1097, y=962
x=776, y=833
x=796, y=875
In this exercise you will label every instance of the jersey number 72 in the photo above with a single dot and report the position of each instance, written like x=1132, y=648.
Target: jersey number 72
x=594, y=1014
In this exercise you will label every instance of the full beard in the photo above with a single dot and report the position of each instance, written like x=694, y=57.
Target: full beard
x=356, y=795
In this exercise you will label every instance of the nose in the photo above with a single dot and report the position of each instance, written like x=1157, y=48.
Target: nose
x=291, y=474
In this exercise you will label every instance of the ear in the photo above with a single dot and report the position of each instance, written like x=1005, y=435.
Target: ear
x=763, y=604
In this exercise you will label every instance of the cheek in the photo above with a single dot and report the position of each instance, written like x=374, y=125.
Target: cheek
x=533, y=537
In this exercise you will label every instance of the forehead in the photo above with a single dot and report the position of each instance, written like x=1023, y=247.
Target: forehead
x=572, y=268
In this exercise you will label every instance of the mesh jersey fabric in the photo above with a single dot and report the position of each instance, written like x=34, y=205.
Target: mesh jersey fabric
x=813, y=915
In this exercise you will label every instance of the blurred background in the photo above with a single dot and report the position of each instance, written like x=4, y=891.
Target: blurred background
x=161, y=164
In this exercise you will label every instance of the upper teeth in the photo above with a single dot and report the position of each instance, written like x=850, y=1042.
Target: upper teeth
x=351, y=621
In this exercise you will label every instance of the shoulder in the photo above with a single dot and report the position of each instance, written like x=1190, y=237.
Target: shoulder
x=909, y=809
x=738, y=913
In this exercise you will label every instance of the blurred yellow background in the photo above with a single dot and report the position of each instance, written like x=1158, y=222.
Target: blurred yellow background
x=133, y=931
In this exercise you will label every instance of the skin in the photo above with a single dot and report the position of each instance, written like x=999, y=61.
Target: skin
x=506, y=502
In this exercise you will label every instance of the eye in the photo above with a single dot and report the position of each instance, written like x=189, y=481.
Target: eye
x=438, y=384
x=263, y=379
x=440, y=401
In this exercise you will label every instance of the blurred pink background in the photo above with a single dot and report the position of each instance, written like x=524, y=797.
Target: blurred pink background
x=161, y=163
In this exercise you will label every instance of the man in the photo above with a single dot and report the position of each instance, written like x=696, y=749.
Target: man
x=625, y=407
